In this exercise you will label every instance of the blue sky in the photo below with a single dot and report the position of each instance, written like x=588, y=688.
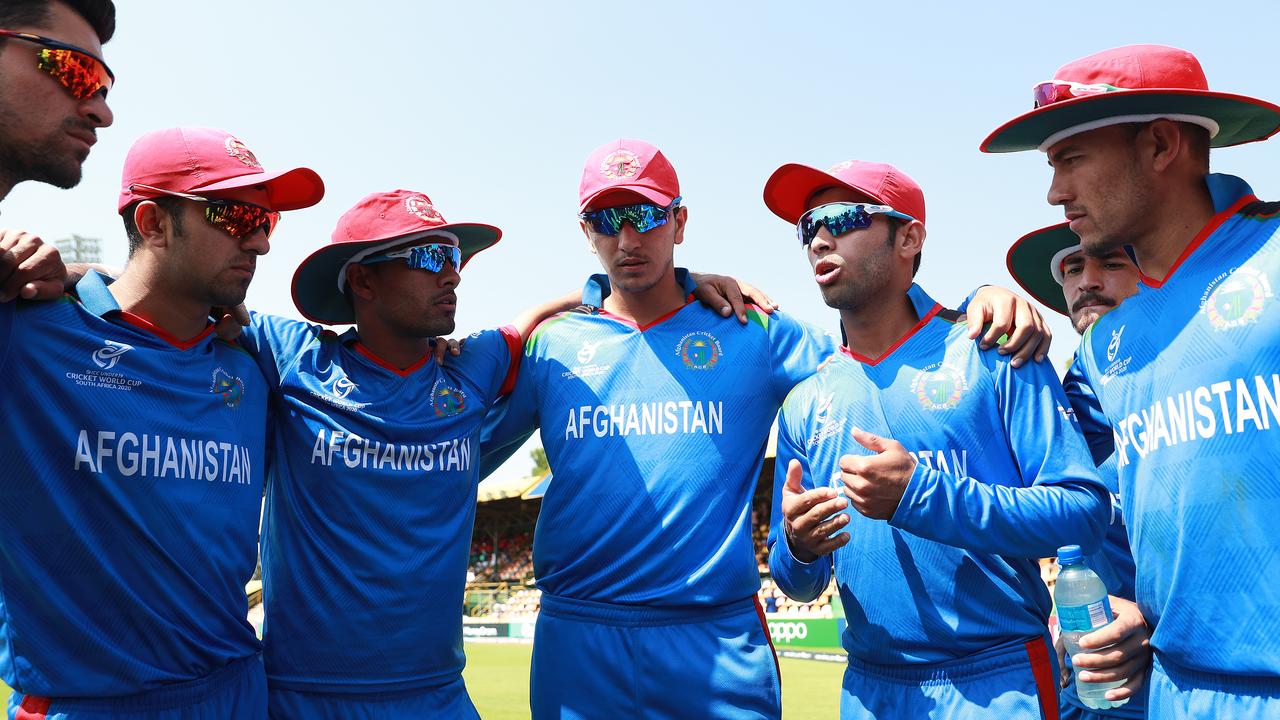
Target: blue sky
x=491, y=107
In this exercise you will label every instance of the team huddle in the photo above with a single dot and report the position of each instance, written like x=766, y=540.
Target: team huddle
x=925, y=461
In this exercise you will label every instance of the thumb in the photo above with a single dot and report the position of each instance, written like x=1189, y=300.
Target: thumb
x=870, y=441
x=794, y=475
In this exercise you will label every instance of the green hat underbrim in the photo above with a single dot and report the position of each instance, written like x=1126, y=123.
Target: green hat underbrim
x=1029, y=264
x=1240, y=119
x=315, y=283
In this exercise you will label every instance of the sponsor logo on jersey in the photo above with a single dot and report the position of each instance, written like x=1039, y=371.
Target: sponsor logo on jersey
x=939, y=387
x=620, y=164
x=699, y=350
x=587, y=352
x=1113, y=347
x=109, y=354
x=1117, y=367
x=228, y=387
x=826, y=425
x=342, y=387
x=106, y=357
x=585, y=367
x=447, y=400
x=1236, y=299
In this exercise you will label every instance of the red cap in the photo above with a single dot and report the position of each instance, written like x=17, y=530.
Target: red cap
x=205, y=160
x=788, y=190
x=627, y=167
x=376, y=222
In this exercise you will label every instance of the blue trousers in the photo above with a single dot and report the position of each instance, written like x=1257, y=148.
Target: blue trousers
x=1015, y=681
x=1177, y=693
x=447, y=702
x=238, y=691
x=599, y=660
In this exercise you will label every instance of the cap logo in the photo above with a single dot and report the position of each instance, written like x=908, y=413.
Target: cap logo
x=239, y=151
x=840, y=167
x=620, y=164
x=420, y=207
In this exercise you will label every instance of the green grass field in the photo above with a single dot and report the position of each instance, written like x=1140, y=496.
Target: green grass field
x=498, y=680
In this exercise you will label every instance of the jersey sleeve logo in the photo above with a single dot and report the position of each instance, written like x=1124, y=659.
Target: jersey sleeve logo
x=699, y=350
x=447, y=400
x=1236, y=299
x=107, y=356
x=940, y=388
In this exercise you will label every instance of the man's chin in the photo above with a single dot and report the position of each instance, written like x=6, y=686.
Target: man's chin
x=1082, y=321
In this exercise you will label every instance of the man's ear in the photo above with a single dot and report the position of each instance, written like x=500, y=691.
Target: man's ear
x=911, y=238
x=586, y=232
x=360, y=282
x=153, y=223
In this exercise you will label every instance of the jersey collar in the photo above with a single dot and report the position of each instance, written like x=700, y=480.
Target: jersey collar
x=926, y=308
x=597, y=287
x=97, y=299
x=1229, y=193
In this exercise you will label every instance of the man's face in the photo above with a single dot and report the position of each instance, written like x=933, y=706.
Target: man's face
x=1101, y=187
x=45, y=133
x=415, y=303
x=855, y=266
x=210, y=263
x=637, y=261
x=1094, y=285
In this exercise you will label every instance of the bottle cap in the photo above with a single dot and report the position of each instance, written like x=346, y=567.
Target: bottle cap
x=1068, y=554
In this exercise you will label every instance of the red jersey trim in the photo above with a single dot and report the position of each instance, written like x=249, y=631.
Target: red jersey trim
x=515, y=346
x=937, y=307
x=1042, y=670
x=144, y=324
x=605, y=313
x=365, y=351
x=1214, y=223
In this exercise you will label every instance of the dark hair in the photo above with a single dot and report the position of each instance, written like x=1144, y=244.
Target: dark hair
x=1196, y=137
x=100, y=14
x=894, y=225
x=170, y=207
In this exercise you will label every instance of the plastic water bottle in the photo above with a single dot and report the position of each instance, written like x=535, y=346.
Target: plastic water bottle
x=1083, y=607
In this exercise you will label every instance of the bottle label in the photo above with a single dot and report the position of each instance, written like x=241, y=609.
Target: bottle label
x=1084, y=618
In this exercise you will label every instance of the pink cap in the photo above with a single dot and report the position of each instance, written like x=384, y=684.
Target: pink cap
x=205, y=160
x=627, y=167
x=788, y=190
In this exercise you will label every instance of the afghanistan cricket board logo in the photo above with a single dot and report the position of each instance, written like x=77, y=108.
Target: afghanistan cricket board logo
x=620, y=164
x=1238, y=299
x=699, y=350
x=447, y=400
x=228, y=387
x=939, y=389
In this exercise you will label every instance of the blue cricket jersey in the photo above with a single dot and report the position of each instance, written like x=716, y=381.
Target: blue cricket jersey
x=129, y=509
x=1185, y=374
x=371, y=498
x=1003, y=477
x=656, y=435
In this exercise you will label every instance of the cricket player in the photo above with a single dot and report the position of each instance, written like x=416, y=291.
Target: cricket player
x=654, y=413
x=962, y=470
x=1052, y=267
x=375, y=463
x=53, y=99
x=1183, y=372
x=136, y=454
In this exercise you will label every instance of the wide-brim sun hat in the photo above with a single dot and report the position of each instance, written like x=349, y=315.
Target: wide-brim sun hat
x=1135, y=83
x=378, y=222
x=1035, y=262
